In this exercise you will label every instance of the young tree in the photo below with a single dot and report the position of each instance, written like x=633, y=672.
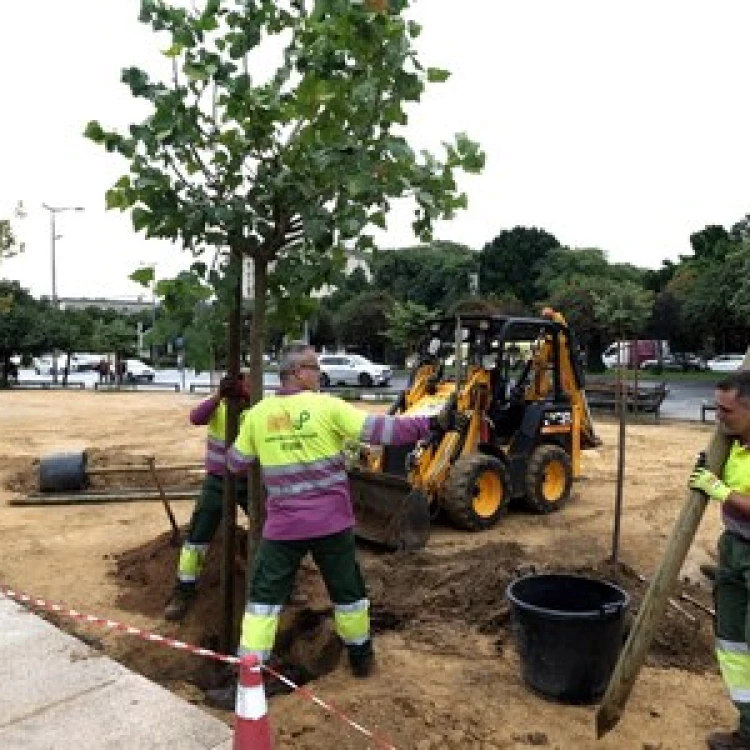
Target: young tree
x=290, y=169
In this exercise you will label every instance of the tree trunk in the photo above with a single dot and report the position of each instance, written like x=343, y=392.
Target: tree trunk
x=256, y=501
x=229, y=512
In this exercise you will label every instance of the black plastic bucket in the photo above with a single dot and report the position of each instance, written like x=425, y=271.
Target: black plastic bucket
x=569, y=631
x=63, y=472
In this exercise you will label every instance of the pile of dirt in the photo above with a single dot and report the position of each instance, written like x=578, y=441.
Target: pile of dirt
x=429, y=598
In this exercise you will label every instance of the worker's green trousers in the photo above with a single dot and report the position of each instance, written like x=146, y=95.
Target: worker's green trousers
x=203, y=525
x=732, y=593
x=271, y=581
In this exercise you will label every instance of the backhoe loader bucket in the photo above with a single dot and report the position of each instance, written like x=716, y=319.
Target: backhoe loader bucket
x=389, y=511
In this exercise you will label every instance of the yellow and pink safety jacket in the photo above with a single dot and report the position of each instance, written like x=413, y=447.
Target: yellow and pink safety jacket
x=298, y=437
x=736, y=476
x=213, y=412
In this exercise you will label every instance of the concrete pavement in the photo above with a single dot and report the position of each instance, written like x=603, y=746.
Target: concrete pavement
x=56, y=693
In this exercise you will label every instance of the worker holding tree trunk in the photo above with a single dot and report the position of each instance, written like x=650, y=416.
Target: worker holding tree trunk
x=732, y=583
x=212, y=412
x=298, y=436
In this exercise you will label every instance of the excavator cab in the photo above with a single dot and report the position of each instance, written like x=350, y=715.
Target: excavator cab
x=519, y=385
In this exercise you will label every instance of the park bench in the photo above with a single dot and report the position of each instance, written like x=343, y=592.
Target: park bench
x=647, y=398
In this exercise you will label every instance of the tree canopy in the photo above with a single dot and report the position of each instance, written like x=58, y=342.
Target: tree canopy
x=290, y=168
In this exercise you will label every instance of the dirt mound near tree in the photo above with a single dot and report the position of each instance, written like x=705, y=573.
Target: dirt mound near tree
x=432, y=600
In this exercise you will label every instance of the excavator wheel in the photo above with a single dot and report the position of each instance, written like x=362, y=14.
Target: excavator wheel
x=477, y=492
x=549, y=477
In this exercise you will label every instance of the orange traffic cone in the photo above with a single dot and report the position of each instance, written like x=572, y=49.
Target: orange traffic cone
x=252, y=729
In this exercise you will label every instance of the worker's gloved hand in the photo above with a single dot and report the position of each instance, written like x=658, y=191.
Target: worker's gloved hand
x=230, y=386
x=706, y=481
x=449, y=418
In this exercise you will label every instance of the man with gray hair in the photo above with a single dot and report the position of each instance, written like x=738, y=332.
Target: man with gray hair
x=297, y=436
x=732, y=584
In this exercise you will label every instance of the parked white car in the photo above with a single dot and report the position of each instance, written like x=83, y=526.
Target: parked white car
x=45, y=365
x=725, y=362
x=352, y=369
x=135, y=371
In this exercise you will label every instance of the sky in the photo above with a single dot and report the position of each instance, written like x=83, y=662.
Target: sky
x=610, y=124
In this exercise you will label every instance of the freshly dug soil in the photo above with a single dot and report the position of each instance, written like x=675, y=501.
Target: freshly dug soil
x=447, y=670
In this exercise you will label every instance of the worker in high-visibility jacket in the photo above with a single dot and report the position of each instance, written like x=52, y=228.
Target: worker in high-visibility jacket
x=212, y=412
x=297, y=436
x=732, y=583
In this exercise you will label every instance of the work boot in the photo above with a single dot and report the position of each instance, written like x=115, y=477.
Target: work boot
x=225, y=697
x=362, y=665
x=708, y=570
x=728, y=741
x=180, y=602
x=361, y=659
x=295, y=673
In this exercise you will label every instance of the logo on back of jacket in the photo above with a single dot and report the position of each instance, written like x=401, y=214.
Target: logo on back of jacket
x=287, y=430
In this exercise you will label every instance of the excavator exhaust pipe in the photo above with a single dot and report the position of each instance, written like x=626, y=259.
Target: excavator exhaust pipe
x=389, y=511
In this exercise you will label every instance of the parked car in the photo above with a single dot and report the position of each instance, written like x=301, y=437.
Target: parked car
x=137, y=371
x=678, y=362
x=46, y=364
x=352, y=369
x=725, y=362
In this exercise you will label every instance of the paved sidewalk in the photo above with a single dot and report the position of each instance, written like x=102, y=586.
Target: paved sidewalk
x=56, y=693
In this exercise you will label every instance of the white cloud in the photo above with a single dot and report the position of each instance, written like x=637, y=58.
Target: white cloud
x=617, y=125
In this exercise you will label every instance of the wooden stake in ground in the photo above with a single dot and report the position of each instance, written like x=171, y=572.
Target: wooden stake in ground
x=656, y=599
x=229, y=509
x=622, y=404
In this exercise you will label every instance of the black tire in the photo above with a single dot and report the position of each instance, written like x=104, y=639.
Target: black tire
x=549, y=478
x=325, y=381
x=477, y=492
x=365, y=380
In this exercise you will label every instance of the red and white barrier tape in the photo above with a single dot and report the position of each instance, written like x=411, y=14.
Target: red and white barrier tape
x=62, y=609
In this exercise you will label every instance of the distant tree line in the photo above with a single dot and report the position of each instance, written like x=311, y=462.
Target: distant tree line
x=700, y=303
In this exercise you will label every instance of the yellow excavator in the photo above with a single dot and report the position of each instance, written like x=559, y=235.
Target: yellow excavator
x=518, y=383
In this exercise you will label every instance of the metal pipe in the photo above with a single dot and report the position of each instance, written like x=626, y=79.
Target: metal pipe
x=82, y=498
x=102, y=470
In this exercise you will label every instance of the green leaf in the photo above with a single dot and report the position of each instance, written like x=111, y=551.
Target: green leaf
x=113, y=199
x=94, y=132
x=195, y=71
x=174, y=51
x=199, y=268
x=141, y=218
x=414, y=28
x=143, y=276
x=437, y=75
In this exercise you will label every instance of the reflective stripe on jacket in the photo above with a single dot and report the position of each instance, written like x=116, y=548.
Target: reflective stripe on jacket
x=298, y=438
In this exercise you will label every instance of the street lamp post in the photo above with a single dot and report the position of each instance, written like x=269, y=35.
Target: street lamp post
x=53, y=211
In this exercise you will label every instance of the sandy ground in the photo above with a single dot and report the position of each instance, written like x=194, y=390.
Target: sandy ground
x=448, y=672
